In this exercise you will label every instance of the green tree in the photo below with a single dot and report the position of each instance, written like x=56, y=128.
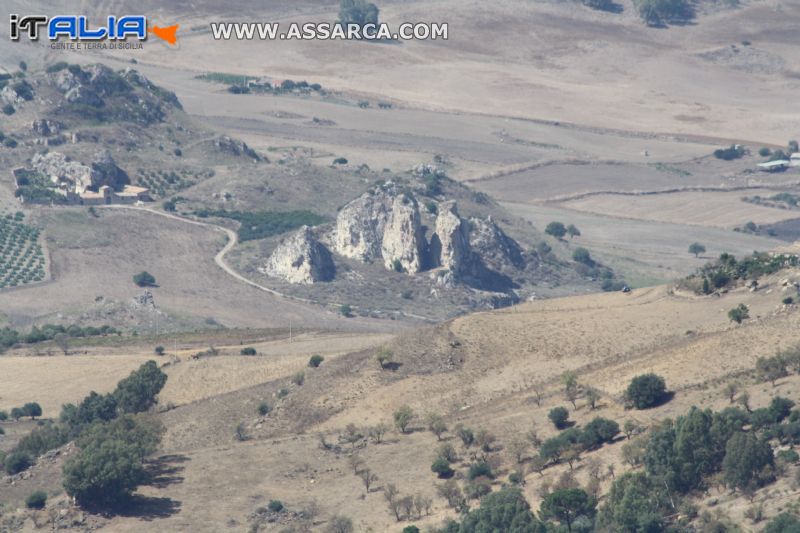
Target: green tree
x=104, y=474
x=566, y=505
x=144, y=279
x=598, y=432
x=572, y=230
x=696, y=248
x=660, y=12
x=16, y=462
x=635, y=503
x=315, y=361
x=137, y=392
x=358, y=12
x=559, y=416
x=403, y=417
x=436, y=425
x=505, y=510
x=748, y=461
x=783, y=523
x=17, y=413
x=32, y=410
x=582, y=255
x=646, y=390
x=771, y=368
x=442, y=468
x=556, y=229
x=36, y=500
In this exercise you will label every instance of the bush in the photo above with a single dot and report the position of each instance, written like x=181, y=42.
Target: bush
x=144, y=279
x=8, y=109
x=276, y=506
x=37, y=500
x=263, y=409
x=647, y=390
x=598, y=432
x=442, y=468
x=159, y=350
x=315, y=361
x=559, y=416
x=730, y=153
x=582, y=255
x=764, y=151
x=340, y=161
x=299, y=378
x=556, y=229
x=247, y=351
x=739, y=313
x=480, y=469
x=16, y=462
x=346, y=311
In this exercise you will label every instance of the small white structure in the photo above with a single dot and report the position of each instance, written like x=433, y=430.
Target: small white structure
x=774, y=166
x=794, y=160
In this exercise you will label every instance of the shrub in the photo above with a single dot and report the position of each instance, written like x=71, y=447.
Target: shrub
x=556, y=229
x=8, y=109
x=441, y=468
x=276, y=506
x=299, y=378
x=582, y=255
x=481, y=468
x=159, y=350
x=346, y=311
x=247, y=351
x=144, y=279
x=647, y=390
x=732, y=152
x=788, y=300
x=739, y=313
x=340, y=161
x=559, y=416
x=764, y=151
x=315, y=361
x=37, y=500
x=598, y=432
x=16, y=462
x=263, y=409
x=783, y=523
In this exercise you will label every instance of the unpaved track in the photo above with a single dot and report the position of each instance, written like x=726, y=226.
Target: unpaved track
x=233, y=239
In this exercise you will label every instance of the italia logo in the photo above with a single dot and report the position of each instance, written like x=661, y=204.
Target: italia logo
x=77, y=28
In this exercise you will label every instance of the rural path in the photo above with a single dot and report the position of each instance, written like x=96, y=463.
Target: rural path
x=233, y=239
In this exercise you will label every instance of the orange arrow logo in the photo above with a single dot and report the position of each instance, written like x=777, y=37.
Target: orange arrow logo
x=167, y=33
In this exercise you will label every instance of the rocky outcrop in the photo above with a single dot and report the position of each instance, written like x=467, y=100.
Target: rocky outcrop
x=496, y=249
x=403, y=245
x=450, y=244
x=77, y=176
x=46, y=127
x=360, y=224
x=235, y=147
x=301, y=259
x=107, y=172
x=62, y=171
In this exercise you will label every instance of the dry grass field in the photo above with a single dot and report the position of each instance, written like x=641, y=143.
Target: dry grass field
x=483, y=370
x=553, y=110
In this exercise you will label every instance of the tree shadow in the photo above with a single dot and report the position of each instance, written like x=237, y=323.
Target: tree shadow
x=164, y=470
x=149, y=507
x=392, y=365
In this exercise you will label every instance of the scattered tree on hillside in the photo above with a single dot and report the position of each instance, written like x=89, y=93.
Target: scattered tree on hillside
x=559, y=416
x=571, y=388
x=436, y=425
x=32, y=409
x=556, y=229
x=403, y=417
x=339, y=524
x=647, y=390
x=696, y=248
x=358, y=12
x=137, y=392
x=660, y=12
x=771, y=368
x=739, y=313
x=748, y=462
x=144, y=279
x=573, y=230
x=567, y=505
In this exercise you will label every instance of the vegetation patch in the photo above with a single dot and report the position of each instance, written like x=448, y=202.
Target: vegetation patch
x=21, y=255
x=261, y=224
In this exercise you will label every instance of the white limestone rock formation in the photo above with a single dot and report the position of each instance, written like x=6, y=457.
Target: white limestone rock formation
x=301, y=259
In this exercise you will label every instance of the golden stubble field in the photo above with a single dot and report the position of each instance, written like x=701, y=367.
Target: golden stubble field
x=483, y=370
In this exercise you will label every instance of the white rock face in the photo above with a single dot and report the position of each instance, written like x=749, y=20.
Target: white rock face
x=497, y=250
x=360, y=224
x=56, y=166
x=403, y=242
x=301, y=259
x=451, y=241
